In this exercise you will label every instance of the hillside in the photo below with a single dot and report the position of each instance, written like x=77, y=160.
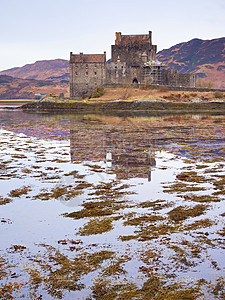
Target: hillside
x=17, y=88
x=55, y=69
x=203, y=57
x=206, y=58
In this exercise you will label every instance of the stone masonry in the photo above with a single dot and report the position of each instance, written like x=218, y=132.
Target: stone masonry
x=133, y=62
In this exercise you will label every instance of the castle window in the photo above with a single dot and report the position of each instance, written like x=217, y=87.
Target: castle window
x=76, y=65
x=86, y=66
x=95, y=66
x=115, y=67
x=86, y=73
x=76, y=73
x=95, y=73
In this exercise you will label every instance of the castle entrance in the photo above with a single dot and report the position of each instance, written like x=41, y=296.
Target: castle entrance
x=135, y=81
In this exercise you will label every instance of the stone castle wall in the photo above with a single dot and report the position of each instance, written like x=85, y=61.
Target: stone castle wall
x=87, y=72
x=127, y=66
x=171, y=77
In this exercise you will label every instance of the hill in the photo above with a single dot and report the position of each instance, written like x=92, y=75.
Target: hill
x=55, y=69
x=17, y=88
x=206, y=58
x=203, y=57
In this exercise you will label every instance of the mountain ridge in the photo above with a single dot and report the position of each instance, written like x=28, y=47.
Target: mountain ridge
x=41, y=70
x=206, y=58
x=19, y=88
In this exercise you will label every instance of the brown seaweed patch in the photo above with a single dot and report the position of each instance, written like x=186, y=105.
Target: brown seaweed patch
x=220, y=184
x=221, y=232
x=97, y=226
x=110, y=190
x=20, y=191
x=219, y=288
x=67, y=192
x=202, y=198
x=181, y=213
x=114, y=268
x=97, y=209
x=149, y=232
x=7, y=290
x=142, y=220
x=3, y=267
x=16, y=248
x=200, y=224
x=60, y=161
x=153, y=288
x=19, y=156
x=178, y=292
x=84, y=213
x=26, y=171
x=180, y=187
x=155, y=205
x=59, y=273
x=191, y=177
x=4, y=201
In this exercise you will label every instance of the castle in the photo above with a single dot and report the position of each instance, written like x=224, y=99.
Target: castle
x=133, y=62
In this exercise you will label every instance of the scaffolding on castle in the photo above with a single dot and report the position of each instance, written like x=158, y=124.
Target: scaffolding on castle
x=153, y=72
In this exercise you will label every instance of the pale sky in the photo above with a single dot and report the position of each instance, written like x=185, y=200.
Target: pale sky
x=32, y=30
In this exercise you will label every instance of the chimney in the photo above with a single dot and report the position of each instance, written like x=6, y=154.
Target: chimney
x=118, y=38
x=104, y=56
x=150, y=37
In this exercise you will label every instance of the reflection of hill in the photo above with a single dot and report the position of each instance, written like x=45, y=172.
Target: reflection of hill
x=119, y=141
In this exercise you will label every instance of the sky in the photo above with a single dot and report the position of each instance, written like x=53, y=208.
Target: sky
x=32, y=30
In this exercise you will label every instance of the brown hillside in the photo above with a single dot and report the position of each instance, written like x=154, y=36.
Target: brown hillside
x=206, y=58
x=16, y=88
x=203, y=57
x=56, y=69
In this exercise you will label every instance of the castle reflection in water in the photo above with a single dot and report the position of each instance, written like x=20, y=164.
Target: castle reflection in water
x=120, y=143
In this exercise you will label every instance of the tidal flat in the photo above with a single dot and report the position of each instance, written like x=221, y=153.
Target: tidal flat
x=105, y=207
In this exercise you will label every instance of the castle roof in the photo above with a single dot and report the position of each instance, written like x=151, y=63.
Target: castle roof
x=132, y=39
x=87, y=58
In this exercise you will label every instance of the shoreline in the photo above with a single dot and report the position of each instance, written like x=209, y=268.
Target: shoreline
x=149, y=107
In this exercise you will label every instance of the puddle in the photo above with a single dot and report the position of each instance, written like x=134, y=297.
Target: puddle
x=97, y=207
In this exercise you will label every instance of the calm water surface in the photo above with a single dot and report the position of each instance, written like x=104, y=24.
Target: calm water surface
x=106, y=207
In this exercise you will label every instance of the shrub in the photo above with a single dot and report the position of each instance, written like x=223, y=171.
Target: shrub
x=99, y=91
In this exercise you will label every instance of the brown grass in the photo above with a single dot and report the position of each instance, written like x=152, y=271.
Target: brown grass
x=154, y=94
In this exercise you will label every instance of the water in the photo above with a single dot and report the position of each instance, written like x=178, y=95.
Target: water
x=96, y=206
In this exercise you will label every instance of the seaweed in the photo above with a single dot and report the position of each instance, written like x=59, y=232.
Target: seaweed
x=182, y=213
